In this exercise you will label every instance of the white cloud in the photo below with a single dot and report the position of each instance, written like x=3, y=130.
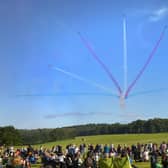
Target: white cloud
x=159, y=14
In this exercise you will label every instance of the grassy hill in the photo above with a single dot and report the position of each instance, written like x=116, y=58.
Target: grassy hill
x=122, y=139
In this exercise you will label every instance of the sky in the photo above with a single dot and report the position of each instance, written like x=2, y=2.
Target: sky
x=50, y=79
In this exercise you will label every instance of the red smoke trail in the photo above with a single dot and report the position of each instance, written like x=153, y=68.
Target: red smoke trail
x=146, y=63
x=101, y=63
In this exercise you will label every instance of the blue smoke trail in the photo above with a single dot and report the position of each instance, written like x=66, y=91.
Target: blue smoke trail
x=67, y=94
x=152, y=91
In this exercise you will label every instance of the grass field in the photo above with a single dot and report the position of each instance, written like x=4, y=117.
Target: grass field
x=122, y=139
x=140, y=165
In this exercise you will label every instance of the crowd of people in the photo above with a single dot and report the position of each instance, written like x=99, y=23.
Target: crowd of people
x=83, y=156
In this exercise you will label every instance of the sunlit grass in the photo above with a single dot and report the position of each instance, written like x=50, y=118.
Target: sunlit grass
x=128, y=139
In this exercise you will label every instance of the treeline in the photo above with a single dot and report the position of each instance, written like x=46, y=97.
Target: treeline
x=37, y=136
x=9, y=135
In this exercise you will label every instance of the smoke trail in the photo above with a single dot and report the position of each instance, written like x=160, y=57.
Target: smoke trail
x=101, y=63
x=75, y=76
x=152, y=91
x=146, y=63
x=125, y=55
x=67, y=94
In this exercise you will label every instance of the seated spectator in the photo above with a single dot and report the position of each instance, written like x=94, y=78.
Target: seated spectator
x=165, y=160
x=1, y=161
x=145, y=155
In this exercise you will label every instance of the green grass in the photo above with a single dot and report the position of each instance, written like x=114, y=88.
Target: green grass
x=122, y=139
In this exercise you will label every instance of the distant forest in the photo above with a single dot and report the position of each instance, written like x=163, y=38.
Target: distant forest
x=11, y=136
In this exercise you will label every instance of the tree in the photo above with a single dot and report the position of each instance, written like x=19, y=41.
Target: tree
x=10, y=136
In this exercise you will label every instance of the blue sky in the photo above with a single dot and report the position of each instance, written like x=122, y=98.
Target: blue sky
x=35, y=34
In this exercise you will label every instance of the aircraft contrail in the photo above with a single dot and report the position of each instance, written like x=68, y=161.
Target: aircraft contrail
x=105, y=68
x=151, y=91
x=130, y=87
x=125, y=67
x=75, y=76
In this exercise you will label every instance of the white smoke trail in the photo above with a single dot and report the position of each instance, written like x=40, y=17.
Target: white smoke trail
x=75, y=76
x=125, y=54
